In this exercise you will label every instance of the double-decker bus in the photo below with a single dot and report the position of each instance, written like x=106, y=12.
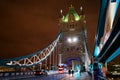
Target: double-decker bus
x=60, y=69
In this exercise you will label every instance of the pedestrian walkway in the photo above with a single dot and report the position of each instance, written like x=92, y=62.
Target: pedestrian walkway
x=77, y=76
x=65, y=76
x=33, y=77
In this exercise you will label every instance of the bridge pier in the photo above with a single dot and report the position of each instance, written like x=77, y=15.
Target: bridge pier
x=60, y=59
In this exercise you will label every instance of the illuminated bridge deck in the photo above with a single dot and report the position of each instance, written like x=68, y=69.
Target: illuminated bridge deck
x=77, y=76
x=65, y=76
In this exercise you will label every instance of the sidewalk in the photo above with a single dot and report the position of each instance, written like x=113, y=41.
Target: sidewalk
x=77, y=76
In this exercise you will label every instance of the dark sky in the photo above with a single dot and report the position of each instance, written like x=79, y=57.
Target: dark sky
x=27, y=26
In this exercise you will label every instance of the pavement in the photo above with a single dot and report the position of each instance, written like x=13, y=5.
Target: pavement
x=65, y=76
x=77, y=76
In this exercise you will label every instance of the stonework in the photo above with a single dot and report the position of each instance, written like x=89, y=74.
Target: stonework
x=72, y=43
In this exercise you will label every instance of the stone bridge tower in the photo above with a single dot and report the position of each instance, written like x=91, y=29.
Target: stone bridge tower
x=72, y=45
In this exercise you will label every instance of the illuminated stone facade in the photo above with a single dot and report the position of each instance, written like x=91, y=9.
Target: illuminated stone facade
x=72, y=44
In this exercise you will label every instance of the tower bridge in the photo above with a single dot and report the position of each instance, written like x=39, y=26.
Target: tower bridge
x=70, y=43
x=70, y=46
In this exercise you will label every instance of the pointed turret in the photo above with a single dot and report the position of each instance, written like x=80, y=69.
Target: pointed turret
x=81, y=11
x=72, y=20
x=72, y=44
x=71, y=15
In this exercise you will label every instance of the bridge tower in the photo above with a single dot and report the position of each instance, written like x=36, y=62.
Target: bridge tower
x=72, y=48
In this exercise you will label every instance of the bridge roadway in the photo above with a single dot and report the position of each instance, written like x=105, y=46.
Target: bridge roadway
x=77, y=76
x=65, y=76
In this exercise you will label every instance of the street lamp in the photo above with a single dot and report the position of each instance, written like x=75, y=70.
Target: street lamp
x=69, y=40
x=72, y=39
x=75, y=39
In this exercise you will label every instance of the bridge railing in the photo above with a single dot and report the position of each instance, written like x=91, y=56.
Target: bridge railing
x=8, y=74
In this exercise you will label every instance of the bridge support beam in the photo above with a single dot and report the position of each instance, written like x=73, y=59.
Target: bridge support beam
x=73, y=65
x=60, y=59
x=50, y=62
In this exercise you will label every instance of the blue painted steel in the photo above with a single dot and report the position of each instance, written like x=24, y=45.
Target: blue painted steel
x=4, y=61
x=112, y=42
x=117, y=5
x=101, y=20
x=113, y=33
x=96, y=52
x=115, y=54
x=115, y=44
x=113, y=0
x=101, y=24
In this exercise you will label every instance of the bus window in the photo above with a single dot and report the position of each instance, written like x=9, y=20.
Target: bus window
x=60, y=69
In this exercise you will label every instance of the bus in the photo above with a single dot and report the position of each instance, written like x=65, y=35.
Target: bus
x=60, y=69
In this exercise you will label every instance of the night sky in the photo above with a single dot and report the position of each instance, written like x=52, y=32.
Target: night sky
x=27, y=26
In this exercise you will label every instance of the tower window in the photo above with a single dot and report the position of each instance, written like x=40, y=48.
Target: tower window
x=67, y=49
x=77, y=48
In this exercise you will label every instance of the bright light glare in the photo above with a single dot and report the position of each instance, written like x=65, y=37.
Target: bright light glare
x=74, y=39
x=69, y=40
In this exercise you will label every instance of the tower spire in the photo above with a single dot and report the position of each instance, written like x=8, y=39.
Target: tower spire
x=61, y=11
x=61, y=14
x=71, y=7
x=81, y=10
